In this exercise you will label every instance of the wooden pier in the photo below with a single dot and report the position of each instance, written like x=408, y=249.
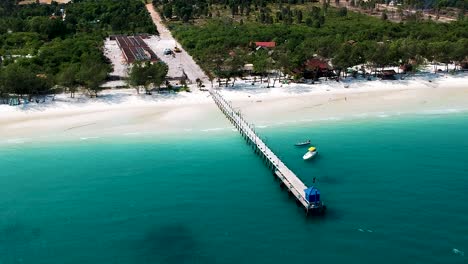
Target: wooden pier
x=288, y=178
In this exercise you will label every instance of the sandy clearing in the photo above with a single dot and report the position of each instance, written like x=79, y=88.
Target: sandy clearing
x=182, y=61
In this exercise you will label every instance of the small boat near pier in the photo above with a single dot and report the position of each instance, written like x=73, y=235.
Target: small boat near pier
x=310, y=154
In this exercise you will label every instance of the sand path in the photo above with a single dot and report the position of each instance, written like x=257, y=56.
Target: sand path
x=182, y=61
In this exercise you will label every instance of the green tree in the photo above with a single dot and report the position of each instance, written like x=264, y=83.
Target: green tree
x=343, y=59
x=147, y=75
x=52, y=28
x=236, y=63
x=167, y=10
x=384, y=15
x=137, y=76
x=461, y=14
x=442, y=51
x=343, y=11
x=22, y=81
x=260, y=62
x=460, y=51
x=3, y=88
x=92, y=75
x=68, y=77
x=158, y=73
x=299, y=16
x=283, y=63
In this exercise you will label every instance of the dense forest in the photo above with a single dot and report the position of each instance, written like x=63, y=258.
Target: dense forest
x=46, y=45
x=222, y=44
x=189, y=9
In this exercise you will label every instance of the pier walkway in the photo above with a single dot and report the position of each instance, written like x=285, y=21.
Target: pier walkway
x=288, y=178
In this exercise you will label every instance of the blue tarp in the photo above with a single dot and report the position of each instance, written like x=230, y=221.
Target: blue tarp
x=312, y=194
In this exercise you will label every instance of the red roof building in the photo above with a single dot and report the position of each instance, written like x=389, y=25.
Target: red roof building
x=316, y=63
x=315, y=68
x=270, y=44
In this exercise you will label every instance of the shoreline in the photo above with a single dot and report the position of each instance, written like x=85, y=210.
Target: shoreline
x=123, y=113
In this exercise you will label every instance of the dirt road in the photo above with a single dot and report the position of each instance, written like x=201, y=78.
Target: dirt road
x=182, y=62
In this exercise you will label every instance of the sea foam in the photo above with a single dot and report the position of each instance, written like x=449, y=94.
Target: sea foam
x=17, y=140
x=88, y=138
x=212, y=129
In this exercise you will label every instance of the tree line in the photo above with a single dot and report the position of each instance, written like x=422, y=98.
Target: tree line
x=345, y=38
x=60, y=46
x=269, y=10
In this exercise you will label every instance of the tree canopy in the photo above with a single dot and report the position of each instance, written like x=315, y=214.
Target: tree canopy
x=147, y=75
x=63, y=43
x=346, y=38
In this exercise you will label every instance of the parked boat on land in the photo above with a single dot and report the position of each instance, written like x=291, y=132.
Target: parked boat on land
x=310, y=154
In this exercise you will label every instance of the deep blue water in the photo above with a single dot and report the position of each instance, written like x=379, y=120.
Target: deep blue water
x=396, y=191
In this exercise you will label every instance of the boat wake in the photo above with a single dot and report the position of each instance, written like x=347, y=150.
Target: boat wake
x=365, y=230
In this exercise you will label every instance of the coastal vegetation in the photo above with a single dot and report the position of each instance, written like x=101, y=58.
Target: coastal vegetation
x=147, y=75
x=192, y=9
x=222, y=45
x=59, y=46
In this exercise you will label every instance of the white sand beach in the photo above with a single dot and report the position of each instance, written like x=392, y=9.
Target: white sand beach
x=124, y=113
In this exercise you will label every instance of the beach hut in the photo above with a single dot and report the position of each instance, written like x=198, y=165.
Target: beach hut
x=315, y=68
x=312, y=195
x=258, y=45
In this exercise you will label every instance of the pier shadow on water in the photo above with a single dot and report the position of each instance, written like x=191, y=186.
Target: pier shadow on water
x=331, y=214
x=329, y=179
x=171, y=243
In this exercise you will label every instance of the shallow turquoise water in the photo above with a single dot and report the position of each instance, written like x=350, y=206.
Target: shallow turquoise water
x=396, y=191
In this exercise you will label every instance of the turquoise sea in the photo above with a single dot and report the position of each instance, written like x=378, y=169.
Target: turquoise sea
x=396, y=190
